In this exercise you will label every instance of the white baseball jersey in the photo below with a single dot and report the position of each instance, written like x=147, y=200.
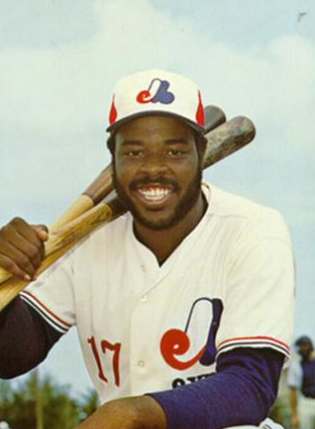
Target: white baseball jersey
x=295, y=374
x=145, y=327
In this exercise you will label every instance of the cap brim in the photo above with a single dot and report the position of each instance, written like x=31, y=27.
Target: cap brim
x=199, y=128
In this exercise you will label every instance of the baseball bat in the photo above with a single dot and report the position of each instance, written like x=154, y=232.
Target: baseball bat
x=102, y=185
x=223, y=141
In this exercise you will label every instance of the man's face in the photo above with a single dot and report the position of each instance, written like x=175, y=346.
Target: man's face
x=305, y=350
x=157, y=170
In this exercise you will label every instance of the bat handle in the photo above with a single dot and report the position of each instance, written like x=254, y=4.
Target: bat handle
x=79, y=207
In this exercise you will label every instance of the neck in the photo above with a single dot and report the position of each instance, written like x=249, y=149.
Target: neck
x=311, y=356
x=163, y=242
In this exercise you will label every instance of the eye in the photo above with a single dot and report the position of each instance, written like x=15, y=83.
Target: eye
x=135, y=153
x=175, y=152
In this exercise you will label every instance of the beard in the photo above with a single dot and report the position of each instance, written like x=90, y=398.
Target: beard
x=184, y=205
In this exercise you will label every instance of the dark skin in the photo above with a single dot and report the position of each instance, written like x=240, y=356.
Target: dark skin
x=157, y=168
x=147, y=151
x=138, y=412
x=153, y=147
x=22, y=248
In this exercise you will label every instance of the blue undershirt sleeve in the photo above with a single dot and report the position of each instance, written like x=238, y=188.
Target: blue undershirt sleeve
x=25, y=339
x=240, y=392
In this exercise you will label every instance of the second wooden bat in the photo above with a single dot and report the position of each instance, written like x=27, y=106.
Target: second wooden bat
x=223, y=141
x=103, y=185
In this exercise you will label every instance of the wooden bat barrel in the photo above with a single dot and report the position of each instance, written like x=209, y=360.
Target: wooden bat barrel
x=223, y=141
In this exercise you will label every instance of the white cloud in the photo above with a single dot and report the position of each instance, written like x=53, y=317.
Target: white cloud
x=54, y=101
x=55, y=97
x=65, y=86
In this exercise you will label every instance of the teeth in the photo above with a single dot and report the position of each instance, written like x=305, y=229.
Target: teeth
x=155, y=193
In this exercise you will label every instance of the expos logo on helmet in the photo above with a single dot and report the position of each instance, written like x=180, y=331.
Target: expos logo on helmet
x=157, y=92
x=163, y=92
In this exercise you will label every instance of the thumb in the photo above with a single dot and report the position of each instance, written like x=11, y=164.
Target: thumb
x=41, y=231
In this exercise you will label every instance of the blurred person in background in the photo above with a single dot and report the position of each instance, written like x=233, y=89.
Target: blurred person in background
x=301, y=382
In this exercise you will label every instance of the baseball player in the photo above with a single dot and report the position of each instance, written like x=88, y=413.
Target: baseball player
x=301, y=378
x=184, y=304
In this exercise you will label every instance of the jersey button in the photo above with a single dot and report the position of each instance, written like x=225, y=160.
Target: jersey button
x=143, y=268
x=141, y=363
x=144, y=298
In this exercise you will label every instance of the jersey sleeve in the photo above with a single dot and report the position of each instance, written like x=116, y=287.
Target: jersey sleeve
x=259, y=292
x=52, y=295
x=241, y=392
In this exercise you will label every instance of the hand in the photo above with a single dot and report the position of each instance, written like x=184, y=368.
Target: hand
x=140, y=412
x=295, y=420
x=22, y=248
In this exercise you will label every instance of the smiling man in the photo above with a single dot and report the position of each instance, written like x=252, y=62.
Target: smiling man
x=184, y=304
x=157, y=175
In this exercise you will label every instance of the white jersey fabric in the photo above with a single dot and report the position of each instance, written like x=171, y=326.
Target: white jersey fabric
x=295, y=374
x=146, y=328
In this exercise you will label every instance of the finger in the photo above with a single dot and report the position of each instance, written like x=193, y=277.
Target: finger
x=26, y=231
x=13, y=268
x=21, y=259
x=34, y=253
x=41, y=231
x=32, y=247
x=16, y=263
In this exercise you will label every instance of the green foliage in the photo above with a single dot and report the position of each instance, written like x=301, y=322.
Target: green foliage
x=280, y=412
x=43, y=404
x=89, y=404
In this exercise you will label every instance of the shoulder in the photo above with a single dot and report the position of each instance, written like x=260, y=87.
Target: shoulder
x=111, y=235
x=226, y=204
x=246, y=216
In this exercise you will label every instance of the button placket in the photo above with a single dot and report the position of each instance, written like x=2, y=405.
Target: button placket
x=144, y=298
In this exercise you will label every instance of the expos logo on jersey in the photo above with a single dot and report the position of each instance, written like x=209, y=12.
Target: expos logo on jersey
x=180, y=348
x=183, y=348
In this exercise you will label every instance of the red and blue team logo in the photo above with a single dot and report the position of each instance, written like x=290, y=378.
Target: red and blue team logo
x=180, y=349
x=175, y=345
x=158, y=92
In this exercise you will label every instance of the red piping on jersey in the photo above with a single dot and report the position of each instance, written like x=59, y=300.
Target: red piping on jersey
x=47, y=309
x=255, y=338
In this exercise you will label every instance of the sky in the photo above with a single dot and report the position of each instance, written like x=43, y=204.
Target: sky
x=59, y=60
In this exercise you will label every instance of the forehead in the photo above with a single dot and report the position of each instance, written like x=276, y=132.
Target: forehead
x=304, y=345
x=154, y=126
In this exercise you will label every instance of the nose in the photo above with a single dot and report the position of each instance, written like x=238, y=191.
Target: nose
x=153, y=165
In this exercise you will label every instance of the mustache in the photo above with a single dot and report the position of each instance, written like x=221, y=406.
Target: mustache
x=147, y=181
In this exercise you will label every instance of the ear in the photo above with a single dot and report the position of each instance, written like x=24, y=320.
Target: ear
x=111, y=144
x=201, y=143
x=112, y=161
